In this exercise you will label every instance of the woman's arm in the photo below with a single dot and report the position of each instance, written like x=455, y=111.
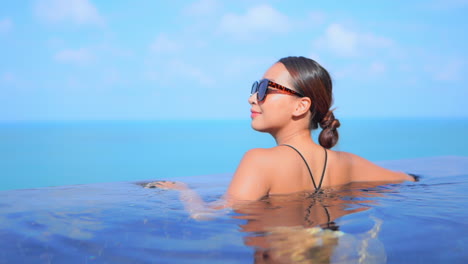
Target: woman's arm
x=248, y=183
x=193, y=203
x=363, y=170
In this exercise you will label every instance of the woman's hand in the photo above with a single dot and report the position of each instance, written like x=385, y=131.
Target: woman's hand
x=193, y=203
x=168, y=185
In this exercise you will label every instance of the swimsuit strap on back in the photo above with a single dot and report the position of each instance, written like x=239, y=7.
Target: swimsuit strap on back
x=310, y=172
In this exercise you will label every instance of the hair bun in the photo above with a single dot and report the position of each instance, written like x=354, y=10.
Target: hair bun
x=329, y=121
x=329, y=135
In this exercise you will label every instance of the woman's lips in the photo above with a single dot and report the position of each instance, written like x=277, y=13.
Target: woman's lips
x=254, y=114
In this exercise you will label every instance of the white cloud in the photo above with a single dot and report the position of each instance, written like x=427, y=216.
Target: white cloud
x=344, y=42
x=374, y=41
x=176, y=69
x=202, y=7
x=446, y=71
x=76, y=11
x=355, y=71
x=258, y=19
x=163, y=44
x=340, y=40
x=6, y=25
x=316, y=57
x=79, y=56
x=7, y=77
x=183, y=69
x=377, y=68
x=344, y=71
x=246, y=67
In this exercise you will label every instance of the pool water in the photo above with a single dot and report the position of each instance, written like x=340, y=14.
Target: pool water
x=121, y=222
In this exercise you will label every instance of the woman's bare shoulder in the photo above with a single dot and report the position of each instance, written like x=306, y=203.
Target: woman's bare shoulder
x=253, y=177
x=259, y=161
x=340, y=161
x=270, y=162
x=267, y=155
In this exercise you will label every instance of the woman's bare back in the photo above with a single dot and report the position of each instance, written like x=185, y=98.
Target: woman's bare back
x=281, y=170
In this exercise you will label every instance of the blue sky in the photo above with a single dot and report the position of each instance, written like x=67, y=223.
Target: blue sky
x=147, y=60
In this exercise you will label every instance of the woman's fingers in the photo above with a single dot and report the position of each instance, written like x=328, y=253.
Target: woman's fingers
x=165, y=185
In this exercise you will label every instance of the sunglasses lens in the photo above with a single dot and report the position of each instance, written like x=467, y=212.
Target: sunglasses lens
x=254, y=88
x=262, y=88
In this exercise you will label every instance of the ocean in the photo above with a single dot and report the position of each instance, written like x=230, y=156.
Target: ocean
x=40, y=154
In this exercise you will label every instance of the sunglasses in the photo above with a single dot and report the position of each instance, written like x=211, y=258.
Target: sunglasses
x=262, y=88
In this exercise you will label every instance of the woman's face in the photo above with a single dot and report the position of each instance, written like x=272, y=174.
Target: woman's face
x=276, y=110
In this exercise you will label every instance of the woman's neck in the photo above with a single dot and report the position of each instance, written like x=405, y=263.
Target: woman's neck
x=293, y=137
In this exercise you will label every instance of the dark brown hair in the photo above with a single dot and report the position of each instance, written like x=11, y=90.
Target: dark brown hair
x=313, y=81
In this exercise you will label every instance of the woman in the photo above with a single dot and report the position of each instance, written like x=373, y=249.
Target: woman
x=293, y=98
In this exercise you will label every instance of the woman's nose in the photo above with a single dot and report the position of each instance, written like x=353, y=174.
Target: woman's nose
x=253, y=98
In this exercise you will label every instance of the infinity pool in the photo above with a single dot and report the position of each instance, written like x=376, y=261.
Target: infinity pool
x=121, y=222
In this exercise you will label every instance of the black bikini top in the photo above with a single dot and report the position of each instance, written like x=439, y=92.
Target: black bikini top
x=310, y=172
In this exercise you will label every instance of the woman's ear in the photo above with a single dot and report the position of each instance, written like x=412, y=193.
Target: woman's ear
x=303, y=106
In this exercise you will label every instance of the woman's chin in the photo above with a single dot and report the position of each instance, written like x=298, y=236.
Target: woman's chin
x=258, y=127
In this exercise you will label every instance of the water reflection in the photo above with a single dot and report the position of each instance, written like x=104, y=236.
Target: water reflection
x=301, y=228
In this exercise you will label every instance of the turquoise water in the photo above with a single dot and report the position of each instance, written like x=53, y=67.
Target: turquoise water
x=61, y=153
x=121, y=222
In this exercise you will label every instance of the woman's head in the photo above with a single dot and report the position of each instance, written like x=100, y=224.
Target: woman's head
x=308, y=78
x=313, y=81
x=273, y=102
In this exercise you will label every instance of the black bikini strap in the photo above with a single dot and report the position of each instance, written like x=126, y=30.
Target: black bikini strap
x=324, y=168
x=328, y=214
x=308, y=168
x=330, y=224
